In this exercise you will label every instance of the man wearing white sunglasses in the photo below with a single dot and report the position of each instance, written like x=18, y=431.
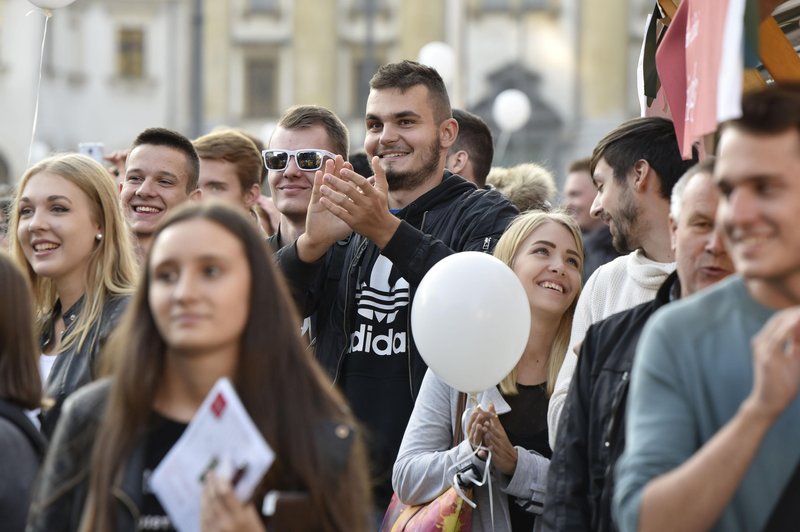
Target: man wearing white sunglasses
x=305, y=137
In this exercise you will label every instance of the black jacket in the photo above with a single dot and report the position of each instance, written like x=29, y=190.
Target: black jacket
x=591, y=434
x=76, y=367
x=452, y=217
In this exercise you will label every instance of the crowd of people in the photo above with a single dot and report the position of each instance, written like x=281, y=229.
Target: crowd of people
x=657, y=389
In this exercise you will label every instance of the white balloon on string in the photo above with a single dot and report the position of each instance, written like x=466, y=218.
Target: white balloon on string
x=46, y=6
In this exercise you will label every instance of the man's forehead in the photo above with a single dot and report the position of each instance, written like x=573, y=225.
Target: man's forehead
x=314, y=136
x=602, y=171
x=163, y=154
x=701, y=187
x=158, y=160
x=743, y=155
x=581, y=179
x=393, y=100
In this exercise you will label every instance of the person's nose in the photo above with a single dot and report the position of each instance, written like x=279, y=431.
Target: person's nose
x=741, y=209
x=716, y=243
x=146, y=188
x=388, y=134
x=38, y=221
x=185, y=287
x=596, y=209
x=558, y=266
x=292, y=171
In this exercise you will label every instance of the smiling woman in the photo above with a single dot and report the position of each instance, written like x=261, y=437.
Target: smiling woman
x=545, y=250
x=69, y=237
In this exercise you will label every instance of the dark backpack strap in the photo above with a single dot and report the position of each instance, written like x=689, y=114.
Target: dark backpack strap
x=786, y=514
x=15, y=415
x=458, y=430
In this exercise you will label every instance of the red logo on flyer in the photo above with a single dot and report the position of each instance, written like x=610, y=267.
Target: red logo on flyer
x=218, y=406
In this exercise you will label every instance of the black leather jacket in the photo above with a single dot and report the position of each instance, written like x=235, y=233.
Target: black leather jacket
x=76, y=367
x=591, y=434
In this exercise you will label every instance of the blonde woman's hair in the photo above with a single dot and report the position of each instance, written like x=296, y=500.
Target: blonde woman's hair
x=506, y=250
x=111, y=267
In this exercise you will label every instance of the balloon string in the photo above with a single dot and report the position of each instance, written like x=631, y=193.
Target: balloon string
x=486, y=480
x=47, y=15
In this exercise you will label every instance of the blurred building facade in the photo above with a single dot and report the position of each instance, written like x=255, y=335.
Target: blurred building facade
x=114, y=67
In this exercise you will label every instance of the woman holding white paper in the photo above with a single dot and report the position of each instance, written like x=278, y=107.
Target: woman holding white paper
x=210, y=305
x=545, y=250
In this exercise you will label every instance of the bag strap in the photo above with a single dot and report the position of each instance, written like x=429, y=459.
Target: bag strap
x=458, y=430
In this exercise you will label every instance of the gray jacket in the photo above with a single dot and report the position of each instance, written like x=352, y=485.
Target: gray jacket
x=427, y=460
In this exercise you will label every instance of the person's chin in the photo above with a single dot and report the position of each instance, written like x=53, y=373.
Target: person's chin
x=144, y=228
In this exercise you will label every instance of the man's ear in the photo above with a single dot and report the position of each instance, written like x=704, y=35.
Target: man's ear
x=673, y=232
x=251, y=195
x=448, y=131
x=456, y=162
x=643, y=175
x=196, y=194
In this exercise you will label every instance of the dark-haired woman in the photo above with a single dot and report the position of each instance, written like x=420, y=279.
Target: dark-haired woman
x=21, y=445
x=210, y=305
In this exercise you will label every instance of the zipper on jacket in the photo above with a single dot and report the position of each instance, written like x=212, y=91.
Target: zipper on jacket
x=346, y=321
x=409, y=349
x=487, y=243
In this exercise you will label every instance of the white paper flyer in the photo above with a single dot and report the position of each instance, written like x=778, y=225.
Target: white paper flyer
x=221, y=437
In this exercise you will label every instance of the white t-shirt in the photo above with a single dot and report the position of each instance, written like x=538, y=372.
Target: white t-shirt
x=45, y=365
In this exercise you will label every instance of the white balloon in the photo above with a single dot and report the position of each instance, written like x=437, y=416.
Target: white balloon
x=440, y=56
x=51, y=4
x=511, y=109
x=470, y=320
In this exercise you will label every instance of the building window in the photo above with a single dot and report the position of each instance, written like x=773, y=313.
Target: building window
x=363, y=71
x=513, y=5
x=267, y=6
x=130, y=56
x=261, y=75
x=492, y=5
x=535, y=4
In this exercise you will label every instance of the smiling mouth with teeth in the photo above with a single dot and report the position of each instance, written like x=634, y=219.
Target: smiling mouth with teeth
x=44, y=247
x=146, y=209
x=552, y=286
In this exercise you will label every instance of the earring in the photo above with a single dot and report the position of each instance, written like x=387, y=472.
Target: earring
x=98, y=236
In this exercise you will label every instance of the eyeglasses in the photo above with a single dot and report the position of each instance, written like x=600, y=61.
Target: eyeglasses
x=307, y=159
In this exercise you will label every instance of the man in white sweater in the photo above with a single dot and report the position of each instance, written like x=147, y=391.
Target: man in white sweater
x=634, y=168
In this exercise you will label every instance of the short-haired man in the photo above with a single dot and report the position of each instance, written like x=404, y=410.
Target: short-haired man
x=713, y=414
x=414, y=215
x=161, y=172
x=471, y=154
x=634, y=168
x=579, y=193
x=230, y=168
x=592, y=433
x=305, y=137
